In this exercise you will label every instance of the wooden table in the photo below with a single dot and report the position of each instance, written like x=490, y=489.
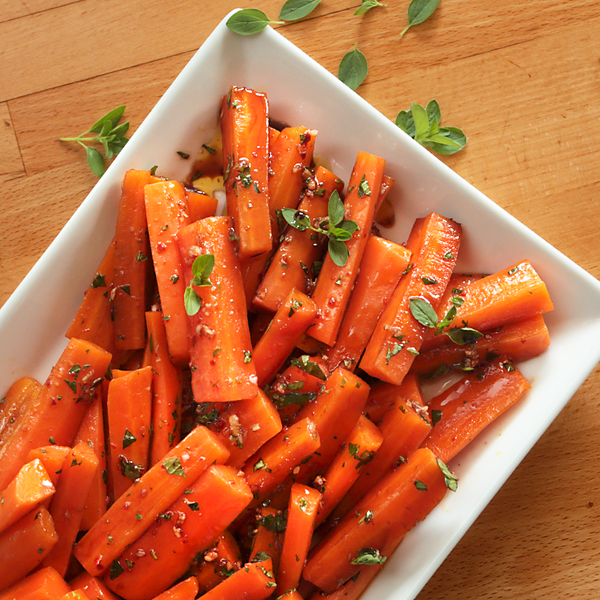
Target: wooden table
x=520, y=78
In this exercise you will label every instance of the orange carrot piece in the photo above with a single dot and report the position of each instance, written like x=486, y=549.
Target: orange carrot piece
x=462, y=411
x=45, y=584
x=302, y=512
x=148, y=497
x=15, y=404
x=386, y=185
x=267, y=540
x=245, y=127
x=161, y=555
x=335, y=283
x=91, y=432
x=55, y=415
x=68, y=503
x=93, y=321
x=434, y=244
x=254, y=581
x=166, y=390
x=24, y=545
x=383, y=395
x=76, y=595
x=92, y=586
x=221, y=354
x=131, y=263
x=290, y=321
x=217, y=563
x=354, y=588
x=128, y=414
x=380, y=270
x=52, y=457
x=380, y=521
x=200, y=206
x=167, y=213
x=185, y=590
x=261, y=323
x=360, y=448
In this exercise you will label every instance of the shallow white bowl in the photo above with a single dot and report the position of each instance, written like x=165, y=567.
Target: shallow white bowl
x=34, y=319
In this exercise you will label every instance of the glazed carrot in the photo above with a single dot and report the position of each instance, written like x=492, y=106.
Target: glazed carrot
x=92, y=586
x=386, y=184
x=76, y=595
x=55, y=415
x=508, y=296
x=93, y=319
x=52, y=457
x=167, y=213
x=261, y=322
x=217, y=563
x=128, y=414
x=200, y=205
x=463, y=410
x=290, y=321
x=434, y=244
x=24, y=545
x=403, y=427
x=148, y=497
x=25, y=492
x=380, y=521
x=519, y=341
x=383, y=395
x=163, y=553
x=45, y=584
x=221, y=355
x=245, y=128
x=15, y=404
x=68, y=503
x=166, y=390
x=254, y=581
x=267, y=539
x=131, y=263
x=353, y=588
x=91, y=432
x=380, y=270
x=335, y=283
x=358, y=451
x=302, y=512
x=185, y=590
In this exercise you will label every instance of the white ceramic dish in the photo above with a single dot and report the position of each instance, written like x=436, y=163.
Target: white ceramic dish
x=33, y=320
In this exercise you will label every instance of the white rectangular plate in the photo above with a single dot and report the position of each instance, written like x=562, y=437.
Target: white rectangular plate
x=301, y=92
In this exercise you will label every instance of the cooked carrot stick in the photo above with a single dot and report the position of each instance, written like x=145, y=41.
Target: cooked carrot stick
x=245, y=128
x=463, y=410
x=217, y=563
x=15, y=404
x=131, y=263
x=221, y=355
x=163, y=553
x=93, y=320
x=128, y=414
x=167, y=213
x=261, y=323
x=267, y=539
x=25, y=544
x=52, y=457
x=76, y=595
x=383, y=395
x=185, y=590
x=335, y=283
x=390, y=509
x=254, y=581
x=45, y=584
x=92, y=586
x=91, y=432
x=291, y=319
x=386, y=185
x=25, y=492
x=166, y=390
x=302, y=512
x=434, y=244
x=68, y=503
x=380, y=270
x=134, y=512
x=355, y=586
x=56, y=413
x=360, y=447
x=508, y=296
x=519, y=341
x=200, y=206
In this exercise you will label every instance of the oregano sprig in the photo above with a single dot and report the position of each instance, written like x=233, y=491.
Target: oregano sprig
x=293, y=10
x=335, y=227
x=108, y=133
x=249, y=21
x=353, y=68
x=423, y=125
x=366, y=6
x=419, y=11
x=201, y=270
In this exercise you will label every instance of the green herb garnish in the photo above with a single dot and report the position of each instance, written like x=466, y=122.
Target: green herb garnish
x=368, y=556
x=293, y=10
x=201, y=270
x=353, y=68
x=366, y=6
x=419, y=11
x=249, y=21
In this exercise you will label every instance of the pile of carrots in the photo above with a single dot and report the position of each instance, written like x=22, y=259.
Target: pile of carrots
x=238, y=412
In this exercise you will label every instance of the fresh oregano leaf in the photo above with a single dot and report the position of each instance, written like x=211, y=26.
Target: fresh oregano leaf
x=312, y=368
x=201, y=270
x=368, y=556
x=96, y=161
x=173, y=467
x=423, y=312
x=366, y=6
x=191, y=301
x=338, y=252
x=249, y=21
x=450, y=479
x=112, y=118
x=421, y=120
x=419, y=11
x=296, y=218
x=335, y=209
x=464, y=335
x=433, y=111
x=454, y=141
x=293, y=10
x=353, y=68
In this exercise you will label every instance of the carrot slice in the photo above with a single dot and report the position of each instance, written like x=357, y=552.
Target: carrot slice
x=134, y=512
x=131, y=263
x=254, y=581
x=55, y=415
x=21, y=394
x=302, y=512
x=45, y=584
x=26, y=491
x=462, y=411
x=221, y=354
x=335, y=283
x=52, y=457
x=290, y=321
x=383, y=396
x=200, y=206
x=185, y=590
x=163, y=553
x=92, y=586
x=217, y=563
x=245, y=127
x=267, y=539
x=434, y=243
x=380, y=270
x=76, y=595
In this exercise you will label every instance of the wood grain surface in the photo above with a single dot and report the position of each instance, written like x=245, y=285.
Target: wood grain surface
x=522, y=79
